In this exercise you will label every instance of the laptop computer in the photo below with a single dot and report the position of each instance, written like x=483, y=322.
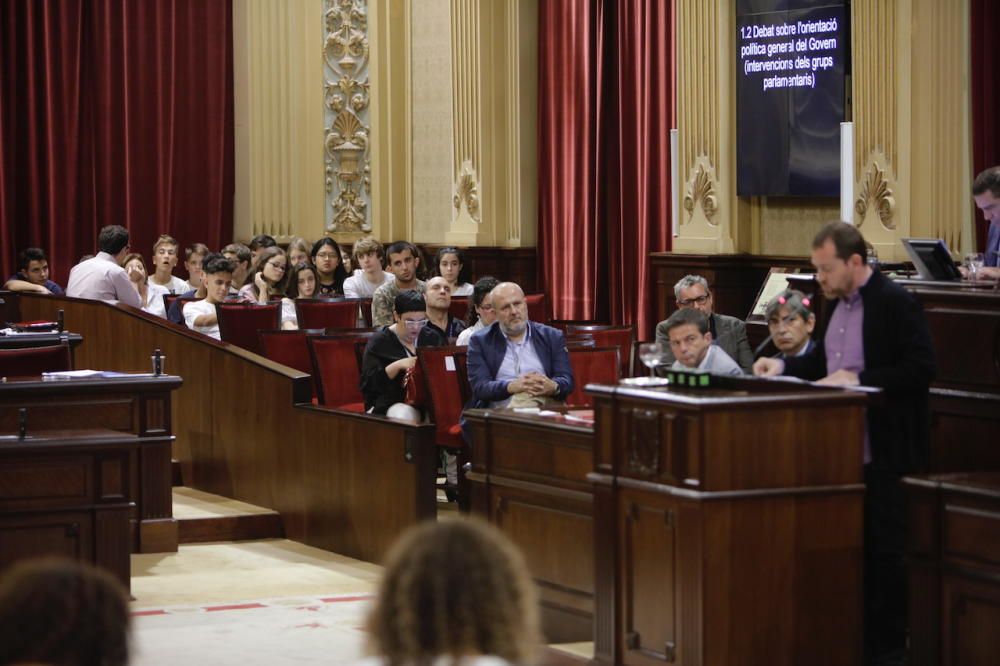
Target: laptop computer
x=932, y=259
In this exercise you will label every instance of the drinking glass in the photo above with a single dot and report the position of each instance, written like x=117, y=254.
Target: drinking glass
x=974, y=262
x=650, y=354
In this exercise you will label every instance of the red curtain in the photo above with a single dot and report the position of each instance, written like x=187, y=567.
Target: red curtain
x=985, y=60
x=606, y=104
x=114, y=112
x=570, y=250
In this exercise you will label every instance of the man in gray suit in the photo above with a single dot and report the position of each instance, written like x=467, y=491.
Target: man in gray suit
x=729, y=333
x=691, y=343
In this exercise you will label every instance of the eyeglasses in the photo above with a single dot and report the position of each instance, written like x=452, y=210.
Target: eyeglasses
x=326, y=255
x=415, y=323
x=700, y=300
x=277, y=267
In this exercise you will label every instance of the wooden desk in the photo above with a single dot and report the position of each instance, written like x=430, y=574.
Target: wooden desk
x=67, y=492
x=139, y=405
x=245, y=429
x=728, y=525
x=954, y=569
x=529, y=478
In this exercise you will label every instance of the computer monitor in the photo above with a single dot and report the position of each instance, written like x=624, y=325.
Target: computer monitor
x=932, y=259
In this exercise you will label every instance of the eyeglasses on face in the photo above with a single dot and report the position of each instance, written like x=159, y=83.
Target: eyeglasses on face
x=700, y=300
x=415, y=323
x=326, y=255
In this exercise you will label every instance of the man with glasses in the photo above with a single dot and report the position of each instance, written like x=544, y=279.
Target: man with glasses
x=729, y=333
x=102, y=277
x=390, y=353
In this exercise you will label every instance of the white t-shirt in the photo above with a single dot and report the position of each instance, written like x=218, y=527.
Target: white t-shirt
x=357, y=286
x=154, y=300
x=464, y=289
x=194, y=310
x=175, y=286
x=288, y=312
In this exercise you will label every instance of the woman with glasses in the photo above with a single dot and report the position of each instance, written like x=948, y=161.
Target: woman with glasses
x=481, y=314
x=390, y=353
x=301, y=284
x=267, y=280
x=327, y=259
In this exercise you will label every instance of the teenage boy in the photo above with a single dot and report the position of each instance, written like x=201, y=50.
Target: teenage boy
x=33, y=274
x=369, y=276
x=194, y=255
x=218, y=276
x=164, y=261
x=404, y=263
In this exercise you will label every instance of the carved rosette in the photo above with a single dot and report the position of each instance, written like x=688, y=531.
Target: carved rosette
x=876, y=194
x=467, y=191
x=348, y=124
x=701, y=192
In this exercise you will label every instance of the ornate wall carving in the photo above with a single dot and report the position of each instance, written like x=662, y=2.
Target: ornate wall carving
x=876, y=195
x=347, y=98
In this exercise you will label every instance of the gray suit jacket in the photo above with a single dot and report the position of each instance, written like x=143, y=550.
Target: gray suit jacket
x=730, y=334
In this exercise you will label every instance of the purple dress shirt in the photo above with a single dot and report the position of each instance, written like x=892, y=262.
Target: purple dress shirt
x=844, y=342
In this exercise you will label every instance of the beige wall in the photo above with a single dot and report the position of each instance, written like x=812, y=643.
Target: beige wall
x=910, y=90
x=452, y=120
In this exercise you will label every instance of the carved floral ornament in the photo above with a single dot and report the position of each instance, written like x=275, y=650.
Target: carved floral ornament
x=467, y=191
x=876, y=193
x=347, y=98
x=701, y=190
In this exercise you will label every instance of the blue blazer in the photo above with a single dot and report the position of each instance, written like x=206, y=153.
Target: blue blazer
x=487, y=349
x=992, y=254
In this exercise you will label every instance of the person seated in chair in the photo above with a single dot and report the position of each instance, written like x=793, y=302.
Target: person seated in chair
x=791, y=323
x=390, y=353
x=516, y=362
x=439, y=317
x=217, y=276
x=33, y=274
x=730, y=333
x=691, y=344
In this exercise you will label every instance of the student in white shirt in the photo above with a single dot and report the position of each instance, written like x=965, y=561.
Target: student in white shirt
x=150, y=293
x=101, y=277
x=302, y=281
x=164, y=261
x=481, y=312
x=200, y=315
x=450, y=264
x=369, y=255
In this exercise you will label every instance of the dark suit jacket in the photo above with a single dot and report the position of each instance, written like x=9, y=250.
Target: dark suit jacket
x=729, y=333
x=487, y=349
x=899, y=358
x=992, y=254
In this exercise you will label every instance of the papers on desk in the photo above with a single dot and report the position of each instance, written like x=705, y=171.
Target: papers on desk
x=83, y=374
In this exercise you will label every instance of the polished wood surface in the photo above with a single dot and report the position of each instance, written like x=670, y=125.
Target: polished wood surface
x=67, y=492
x=728, y=524
x=140, y=405
x=26, y=340
x=954, y=558
x=245, y=429
x=507, y=264
x=529, y=478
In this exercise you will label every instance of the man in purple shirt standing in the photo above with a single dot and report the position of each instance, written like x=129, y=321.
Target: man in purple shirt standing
x=877, y=336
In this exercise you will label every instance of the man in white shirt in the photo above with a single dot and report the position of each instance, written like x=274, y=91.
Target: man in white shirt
x=691, y=344
x=102, y=277
x=200, y=315
x=368, y=254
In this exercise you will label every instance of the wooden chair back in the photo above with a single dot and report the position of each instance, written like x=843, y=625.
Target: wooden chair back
x=596, y=365
x=606, y=335
x=444, y=371
x=326, y=313
x=337, y=371
x=32, y=361
x=239, y=323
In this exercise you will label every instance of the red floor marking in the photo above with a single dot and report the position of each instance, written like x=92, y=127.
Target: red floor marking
x=333, y=600
x=148, y=612
x=233, y=607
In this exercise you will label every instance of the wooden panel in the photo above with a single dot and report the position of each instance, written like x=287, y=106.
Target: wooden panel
x=518, y=265
x=649, y=575
x=344, y=482
x=69, y=534
x=972, y=615
x=40, y=481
